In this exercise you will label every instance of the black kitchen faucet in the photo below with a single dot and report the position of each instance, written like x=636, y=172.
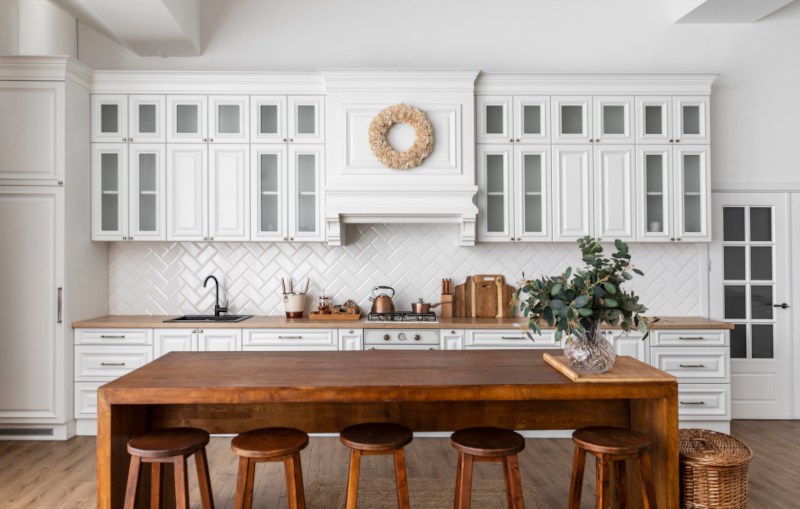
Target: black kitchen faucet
x=217, y=309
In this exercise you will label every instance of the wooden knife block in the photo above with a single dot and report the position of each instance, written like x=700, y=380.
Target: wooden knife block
x=447, y=306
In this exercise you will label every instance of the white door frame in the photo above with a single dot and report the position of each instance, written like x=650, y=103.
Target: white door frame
x=794, y=277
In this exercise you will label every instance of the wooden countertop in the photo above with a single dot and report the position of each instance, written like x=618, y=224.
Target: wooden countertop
x=278, y=322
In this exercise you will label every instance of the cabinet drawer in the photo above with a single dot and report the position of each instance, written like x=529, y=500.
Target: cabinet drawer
x=693, y=365
x=106, y=363
x=290, y=337
x=690, y=338
x=86, y=399
x=405, y=337
x=402, y=347
x=113, y=336
x=701, y=402
x=513, y=338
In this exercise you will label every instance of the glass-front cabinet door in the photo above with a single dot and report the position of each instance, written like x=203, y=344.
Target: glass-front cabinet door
x=268, y=119
x=305, y=179
x=654, y=119
x=654, y=193
x=494, y=119
x=692, y=189
x=692, y=118
x=573, y=197
x=187, y=119
x=109, y=118
x=147, y=118
x=614, y=199
x=531, y=119
x=228, y=119
x=306, y=122
x=495, y=206
x=572, y=119
x=187, y=192
x=268, y=193
x=613, y=119
x=110, y=191
x=532, y=194
x=229, y=193
x=148, y=196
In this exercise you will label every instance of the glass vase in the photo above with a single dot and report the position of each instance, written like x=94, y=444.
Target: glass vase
x=591, y=352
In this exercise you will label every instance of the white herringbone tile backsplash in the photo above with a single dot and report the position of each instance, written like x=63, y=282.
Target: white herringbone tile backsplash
x=166, y=278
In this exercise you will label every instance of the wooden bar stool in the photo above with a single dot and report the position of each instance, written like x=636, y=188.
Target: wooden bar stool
x=377, y=439
x=270, y=444
x=170, y=445
x=611, y=445
x=487, y=444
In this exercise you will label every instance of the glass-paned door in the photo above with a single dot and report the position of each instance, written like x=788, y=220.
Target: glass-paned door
x=654, y=193
x=305, y=170
x=187, y=119
x=613, y=119
x=148, y=196
x=532, y=194
x=228, y=119
x=692, y=183
x=531, y=119
x=749, y=288
x=306, y=122
x=572, y=119
x=494, y=118
x=268, y=119
x=654, y=119
x=109, y=118
x=691, y=119
x=495, y=203
x=268, y=187
x=109, y=191
x=147, y=118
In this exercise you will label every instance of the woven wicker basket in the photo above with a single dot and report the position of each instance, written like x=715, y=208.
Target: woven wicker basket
x=713, y=470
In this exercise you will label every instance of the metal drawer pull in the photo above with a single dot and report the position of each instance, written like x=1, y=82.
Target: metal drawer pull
x=112, y=337
x=681, y=337
x=59, y=307
x=692, y=366
x=692, y=403
x=112, y=363
x=506, y=337
x=290, y=337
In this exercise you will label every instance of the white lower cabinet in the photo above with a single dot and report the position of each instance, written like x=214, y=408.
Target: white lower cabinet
x=106, y=363
x=86, y=399
x=174, y=340
x=351, y=339
x=693, y=365
x=452, y=339
x=290, y=339
x=513, y=338
x=704, y=402
x=219, y=340
x=631, y=345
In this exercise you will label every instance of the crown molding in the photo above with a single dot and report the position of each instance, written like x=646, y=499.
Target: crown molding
x=44, y=68
x=206, y=82
x=755, y=187
x=429, y=80
x=590, y=83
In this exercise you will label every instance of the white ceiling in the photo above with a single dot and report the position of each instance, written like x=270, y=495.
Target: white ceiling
x=724, y=11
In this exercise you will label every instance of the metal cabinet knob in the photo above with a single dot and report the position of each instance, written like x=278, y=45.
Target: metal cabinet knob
x=284, y=139
x=201, y=330
x=678, y=238
x=291, y=238
x=124, y=139
x=512, y=239
x=672, y=141
x=517, y=140
x=130, y=238
x=284, y=238
x=130, y=139
x=452, y=332
x=205, y=238
x=386, y=337
x=677, y=141
x=416, y=337
x=211, y=238
x=124, y=238
x=211, y=139
x=519, y=238
x=673, y=240
x=290, y=140
x=194, y=331
x=512, y=141
x=205, y=139
x=60, y=183
x=350, y=332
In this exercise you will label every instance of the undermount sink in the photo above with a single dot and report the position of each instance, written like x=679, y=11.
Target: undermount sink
x=209, y=318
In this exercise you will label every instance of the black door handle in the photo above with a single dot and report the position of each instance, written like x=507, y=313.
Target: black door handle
x=782, y=306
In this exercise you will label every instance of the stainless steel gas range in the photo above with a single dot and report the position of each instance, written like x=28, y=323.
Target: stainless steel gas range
x=411, y=338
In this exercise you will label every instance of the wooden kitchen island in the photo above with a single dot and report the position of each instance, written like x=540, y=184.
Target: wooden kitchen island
x=427, y=390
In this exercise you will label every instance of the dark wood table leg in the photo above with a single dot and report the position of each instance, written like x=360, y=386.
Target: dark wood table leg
x=400, y=477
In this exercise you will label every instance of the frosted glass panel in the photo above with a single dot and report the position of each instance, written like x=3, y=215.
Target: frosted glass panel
x=655, y=173
x=186, y=115
x=269, y=119
x=147, y=118
x=533, y=213
x=269, y=173
x=733, y=224
x=228, y=119
x=147, y=192
x=691, y=173
x=762, y=341
x=495, y=122
x=533, y=173
x=735, y=307
x=147, y=212
x=495, y=213
x=109, y=168
x=572, y=120
x=109, y=184
x=694, y=210
x=269, y=193
x=652, y=120
x=494, y=173
x=691, y=120
x=147, y=172
x=654, y=179
x=306, y=173
x=109, y=118
x=760, y=263
x=269, y=212
x=761, y=302
x=613, y=119
x=655, y=213
x=734, y=264
x=306, y=201
x=305, y=119
x=109, y=212
x=307, y=213
x=739, y=341
x=532, y=119
x=692, y=201
x=760, y=224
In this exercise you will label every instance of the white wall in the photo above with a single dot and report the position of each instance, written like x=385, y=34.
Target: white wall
x=45, y=29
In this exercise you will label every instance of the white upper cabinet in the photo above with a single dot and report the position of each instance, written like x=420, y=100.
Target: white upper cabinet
x=532, y=119
x=572, y=192
x=268, y=193
x=614, y=198
x=228, y=119
x=228, y=193
x=306, y=123
x=187, y=119
x=692, y=118
x=147, y=119
x=495, y=203
x=613, y=119
x=654, y=181
x=532, y=219
x=110, y=191
x=109, y=118
x=148, y=192
x=305, y=200
x=654, y=119
x=187, y=191
x=692, y=192
x=572, y=119
x=268, y=119
x=494, y=119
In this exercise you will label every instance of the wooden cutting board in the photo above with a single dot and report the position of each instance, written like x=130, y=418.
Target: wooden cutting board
x=463, y=299
x=625, y=369
x=485, y=299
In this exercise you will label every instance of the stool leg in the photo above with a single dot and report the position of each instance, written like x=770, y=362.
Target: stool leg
x=622, y=485
x=400, y=475
x=352, y=479
x=204, y=478
x=242, y=484
x=576, y=485
x=294, y=481
x=181, y=483
x=134, y=475
x=156, y=482
x=463, y=481
x=648, y=488
x=603, y=483
x=513, y=484
x=298, y=475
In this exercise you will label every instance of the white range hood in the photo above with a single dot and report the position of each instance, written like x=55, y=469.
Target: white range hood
x=360, y=189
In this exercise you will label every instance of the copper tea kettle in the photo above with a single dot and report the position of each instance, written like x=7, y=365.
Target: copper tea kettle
x=382, y=303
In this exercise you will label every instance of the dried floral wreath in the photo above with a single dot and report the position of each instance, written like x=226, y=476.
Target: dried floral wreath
x=423, y=144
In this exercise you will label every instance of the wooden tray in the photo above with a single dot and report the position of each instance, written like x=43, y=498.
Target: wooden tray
x=317, y=316
x=625, y=369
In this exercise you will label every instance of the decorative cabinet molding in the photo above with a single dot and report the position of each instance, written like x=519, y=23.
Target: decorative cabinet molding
x=614, y=193
x=228, y=193
x=187, y=119
x=269, y=118
x=573, y=196
x=305, y=170
x=268, y=193
x=306, y=122
x=572, y=119
x=351, y=339
x=494, y=119
x=654, y=183
x=654, y=119
x=532, y=196
x=531, y=119
x=110, y=191
x=187, y=189
x=228, y=119
x=692, y=119
x=147, y=203
x=613, y=119
x=495, y=203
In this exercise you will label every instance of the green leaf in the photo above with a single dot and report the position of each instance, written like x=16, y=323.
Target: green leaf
x=627, y=275
x=610, y=288
x=638, y=272
x=610, y=303
x=581, y=301
x=558, y=335
x=556, y=305
x=586, y=312
x=556, y=288
x=568, y=273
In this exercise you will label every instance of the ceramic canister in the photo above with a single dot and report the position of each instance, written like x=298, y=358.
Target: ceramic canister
x=294, y=304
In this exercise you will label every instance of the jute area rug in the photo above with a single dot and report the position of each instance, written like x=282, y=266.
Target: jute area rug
x=422, y=494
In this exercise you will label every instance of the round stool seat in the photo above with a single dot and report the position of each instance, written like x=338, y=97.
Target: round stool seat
x=611, y=440
x=486, y=441
x=167, y=443
x=269, y=442
x=376, y=436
